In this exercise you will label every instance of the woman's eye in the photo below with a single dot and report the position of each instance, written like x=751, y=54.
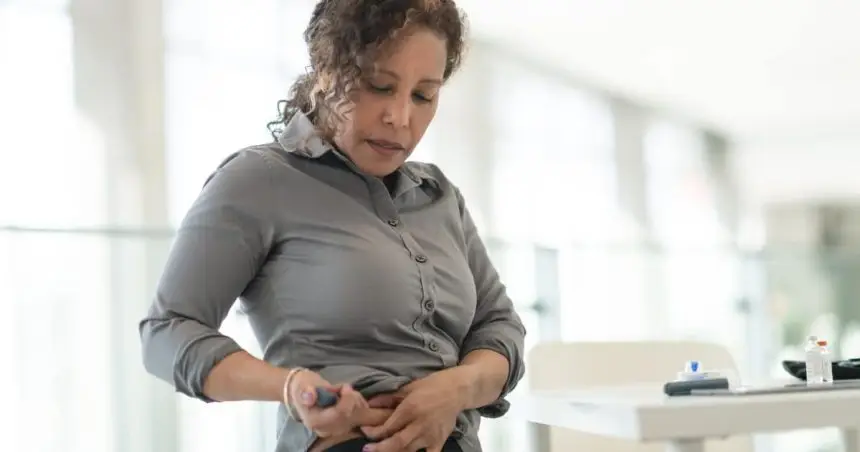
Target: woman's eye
x=380, y=89
x=388, y=89
x=421, y=98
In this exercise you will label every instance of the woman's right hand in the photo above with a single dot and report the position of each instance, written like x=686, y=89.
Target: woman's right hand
x=350, y=411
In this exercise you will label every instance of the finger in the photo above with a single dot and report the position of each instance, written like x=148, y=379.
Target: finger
x=323, y=433
x=347, y=390
x=337, y=388
x=403, y=440
x=307, y=396
x=327, y=395
x=371, y=420
x=338, y=417
x=390, y=400
x=419, y=445
x=328, y=420
x=352, y=400
x=372, y=417
x=399, y=419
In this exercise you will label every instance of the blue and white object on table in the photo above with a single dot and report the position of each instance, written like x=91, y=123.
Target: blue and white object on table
x=693, y=371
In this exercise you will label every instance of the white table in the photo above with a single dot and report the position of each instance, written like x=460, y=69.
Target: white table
x=643, y=413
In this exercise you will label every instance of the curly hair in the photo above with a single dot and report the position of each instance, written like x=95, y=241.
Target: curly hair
x=346, y=37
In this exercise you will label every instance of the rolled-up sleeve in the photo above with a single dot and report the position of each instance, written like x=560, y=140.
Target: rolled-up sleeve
x=496, y=325
x=222, y=241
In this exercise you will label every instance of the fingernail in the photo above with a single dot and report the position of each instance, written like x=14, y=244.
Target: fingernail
x=307, y=397
x=367, y=448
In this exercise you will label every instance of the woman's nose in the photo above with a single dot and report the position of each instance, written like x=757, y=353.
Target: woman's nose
x=398, y=112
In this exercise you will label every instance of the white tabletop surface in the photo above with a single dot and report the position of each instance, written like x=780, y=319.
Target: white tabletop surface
x=643, y=412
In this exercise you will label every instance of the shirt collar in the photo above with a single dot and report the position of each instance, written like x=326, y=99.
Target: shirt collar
x=300, y=137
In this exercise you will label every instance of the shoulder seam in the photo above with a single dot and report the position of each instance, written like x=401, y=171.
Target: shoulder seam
x=270, y=177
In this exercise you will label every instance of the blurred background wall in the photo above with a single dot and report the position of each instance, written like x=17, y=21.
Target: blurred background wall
x=643, y=170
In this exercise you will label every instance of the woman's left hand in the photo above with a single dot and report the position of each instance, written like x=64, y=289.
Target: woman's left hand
x=425, y=412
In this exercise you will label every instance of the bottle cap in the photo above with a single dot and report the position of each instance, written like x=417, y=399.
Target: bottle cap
x=821, y=342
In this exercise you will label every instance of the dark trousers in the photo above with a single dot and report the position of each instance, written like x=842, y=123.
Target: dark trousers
x=355, y=445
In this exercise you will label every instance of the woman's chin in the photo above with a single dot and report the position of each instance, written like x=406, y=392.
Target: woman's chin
x=382, y=167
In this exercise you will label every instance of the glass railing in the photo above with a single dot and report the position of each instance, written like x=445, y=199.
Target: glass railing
x=74, y=381
x=72, y=376
x=795, y=293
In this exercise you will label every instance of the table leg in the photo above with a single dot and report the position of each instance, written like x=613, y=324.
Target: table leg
x=686, y=445
x=851, y=439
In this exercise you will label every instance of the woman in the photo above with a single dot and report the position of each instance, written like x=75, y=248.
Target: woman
x=360, y=273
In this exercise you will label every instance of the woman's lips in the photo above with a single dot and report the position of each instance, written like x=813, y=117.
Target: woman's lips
x=386, y=148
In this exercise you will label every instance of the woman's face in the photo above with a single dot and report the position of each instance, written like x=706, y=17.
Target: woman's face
x=394, y=104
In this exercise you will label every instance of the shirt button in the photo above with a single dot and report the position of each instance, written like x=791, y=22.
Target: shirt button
x=421, y=258
x=434, y=346
x=428, y=305
x=394, y=222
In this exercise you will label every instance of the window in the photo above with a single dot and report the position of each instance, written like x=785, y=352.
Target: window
x=223, y=88
x=681, y=187
x=699, y=265
x=54, y=307
x=214, y=108
x=553, y=186
x=556, y=186
x=38, y=108
x=553, y=143
x=519, y=266
x=227, y=65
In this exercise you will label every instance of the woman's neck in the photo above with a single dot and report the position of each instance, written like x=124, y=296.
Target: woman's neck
x=390, y=182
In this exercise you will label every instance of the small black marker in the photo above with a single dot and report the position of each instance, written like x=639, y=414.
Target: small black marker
x=326, y=398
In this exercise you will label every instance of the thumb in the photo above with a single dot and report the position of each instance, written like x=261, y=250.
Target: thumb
x=308, y=396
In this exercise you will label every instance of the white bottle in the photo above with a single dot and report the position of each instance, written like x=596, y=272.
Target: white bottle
x=826, y=362
x=814, y=362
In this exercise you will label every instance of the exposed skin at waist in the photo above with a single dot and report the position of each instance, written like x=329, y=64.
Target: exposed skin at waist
x=322, y=444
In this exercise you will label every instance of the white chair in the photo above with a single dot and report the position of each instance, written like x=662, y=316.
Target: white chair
x=560, y=365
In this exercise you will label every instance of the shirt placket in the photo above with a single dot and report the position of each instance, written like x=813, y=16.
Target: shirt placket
x=387, y=210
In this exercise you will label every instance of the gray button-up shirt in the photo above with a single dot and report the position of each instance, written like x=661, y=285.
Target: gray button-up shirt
x=337, y=273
